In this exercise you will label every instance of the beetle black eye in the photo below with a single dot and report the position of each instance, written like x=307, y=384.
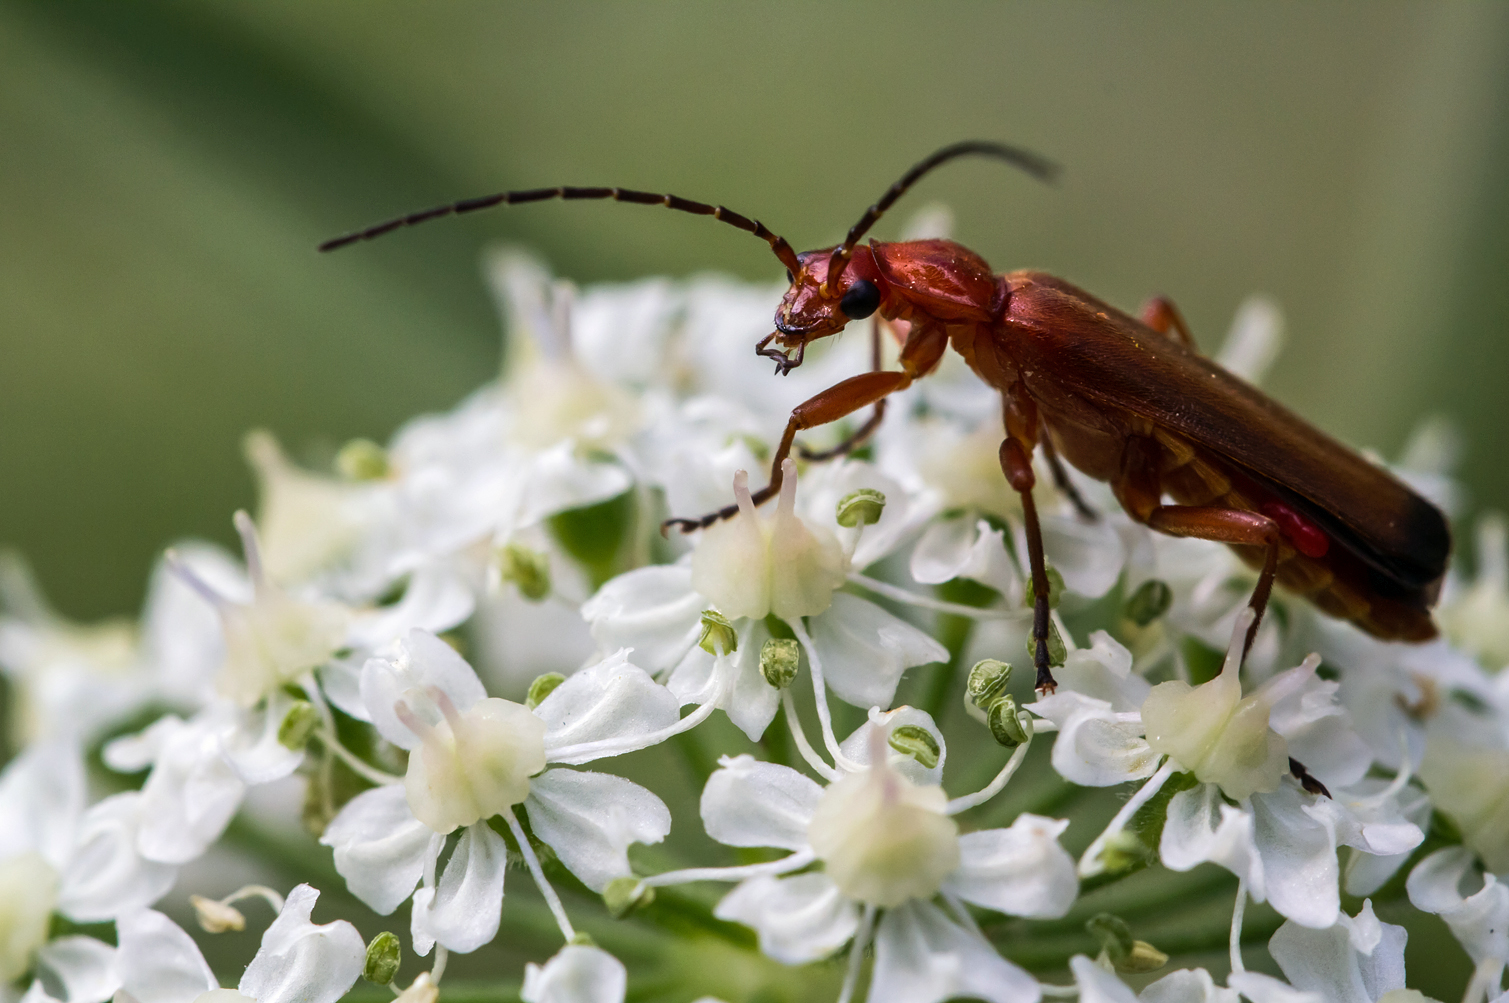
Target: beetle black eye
x=861, y=300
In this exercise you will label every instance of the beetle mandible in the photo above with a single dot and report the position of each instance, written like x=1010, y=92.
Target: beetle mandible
x=1125, y=400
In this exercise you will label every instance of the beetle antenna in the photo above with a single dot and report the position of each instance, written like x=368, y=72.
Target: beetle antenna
x=777, y=243
x=1038, y=166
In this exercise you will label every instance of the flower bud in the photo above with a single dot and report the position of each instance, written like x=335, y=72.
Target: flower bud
x=718, y=636
x=1123, y=852
x=528, y=569
x=383, y=957
x=293, y=733
x=987, y=681
x=1057, y=652
x=624, y=895
x=1055, y=589
x=860, y=508
x=779, y=657
x=215, y=916
x=1126, y=955
x=541, y=688
x=1006, y=724
x=915, y=741
x=1113, y=933
x=1151, y=600
x=362, y=460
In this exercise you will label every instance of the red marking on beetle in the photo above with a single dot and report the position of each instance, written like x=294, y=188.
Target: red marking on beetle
x=1307, y=537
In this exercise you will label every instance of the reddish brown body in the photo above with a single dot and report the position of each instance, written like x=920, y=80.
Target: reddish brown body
x=1136, y=407
x=1125, y=400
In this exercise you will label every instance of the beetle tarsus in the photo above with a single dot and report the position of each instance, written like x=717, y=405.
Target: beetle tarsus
x=1306, y=780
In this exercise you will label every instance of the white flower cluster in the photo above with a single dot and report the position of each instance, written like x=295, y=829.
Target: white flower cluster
x=523, y=528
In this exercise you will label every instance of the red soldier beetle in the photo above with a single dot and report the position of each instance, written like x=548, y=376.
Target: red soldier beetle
x=1125, y=400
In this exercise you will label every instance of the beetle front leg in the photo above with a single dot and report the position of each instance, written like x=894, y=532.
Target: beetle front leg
x=1016, y=463
x=1225, y=525
x=873, y=422
x=832, y=404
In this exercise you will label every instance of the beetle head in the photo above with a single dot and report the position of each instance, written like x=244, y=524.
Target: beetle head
x=814, y=308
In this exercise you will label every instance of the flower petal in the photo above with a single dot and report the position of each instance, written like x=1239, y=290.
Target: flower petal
x=85, y=967
x=655, y=611
x=41, y=797
x=589, y=820
x=797, y=919
x=1260, y=988
x=158, y=962
x=1331, y=962
x=380, y=847
x=106, y=876
x=1096, y=985
x=577, y=974
x=1094, y=748
x=300, y=962
x=865, y=650
x=1480, y=921
x=1187, y=985
x=1200, y=827
x=1298, y=847
x=613, y=702
x=1021, y=871
x=1088, y=554
x=922, y=956
x=463, y=910
x=750, y=803
x=191, y=793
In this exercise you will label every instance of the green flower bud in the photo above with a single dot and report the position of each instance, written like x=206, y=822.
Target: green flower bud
x=527, y=569
x=541, y=688
x=624, y=895
x=1144, y=958
x=362, y=460
x=860, y=508
x=297, y=725
x=1006, y=724
x=383, y=957
x=778, y=661
x=718, y=636
x=987, y=681
x=1123, y=852
x=915, y=741
x=1055, y=589
x=1113, y=933
x=1151, y=600
x=1057, y=652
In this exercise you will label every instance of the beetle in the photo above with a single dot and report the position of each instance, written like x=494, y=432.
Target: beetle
x=1124, y=399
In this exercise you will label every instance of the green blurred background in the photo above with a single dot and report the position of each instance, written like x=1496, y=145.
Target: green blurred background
x=166, y=169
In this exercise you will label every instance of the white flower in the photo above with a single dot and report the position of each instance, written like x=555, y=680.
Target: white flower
x=1358, y=960
x=747, y=570
x=1475, y=908
x=577, y=974
x=298, y=962
x=473, y=757
x=884, y=835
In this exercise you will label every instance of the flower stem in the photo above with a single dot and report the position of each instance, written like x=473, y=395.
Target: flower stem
x=1090, y=863
x=533, y=863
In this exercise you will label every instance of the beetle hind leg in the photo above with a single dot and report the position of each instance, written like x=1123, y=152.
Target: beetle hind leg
x=1231, y=526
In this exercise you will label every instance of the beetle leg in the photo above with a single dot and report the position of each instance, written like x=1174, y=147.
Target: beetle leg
x=832, y=404
x=1226, y=525
x=924, y=347
x=1160, y=314
x=1064, y=485
x=870, y=425
x=1017, y=465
